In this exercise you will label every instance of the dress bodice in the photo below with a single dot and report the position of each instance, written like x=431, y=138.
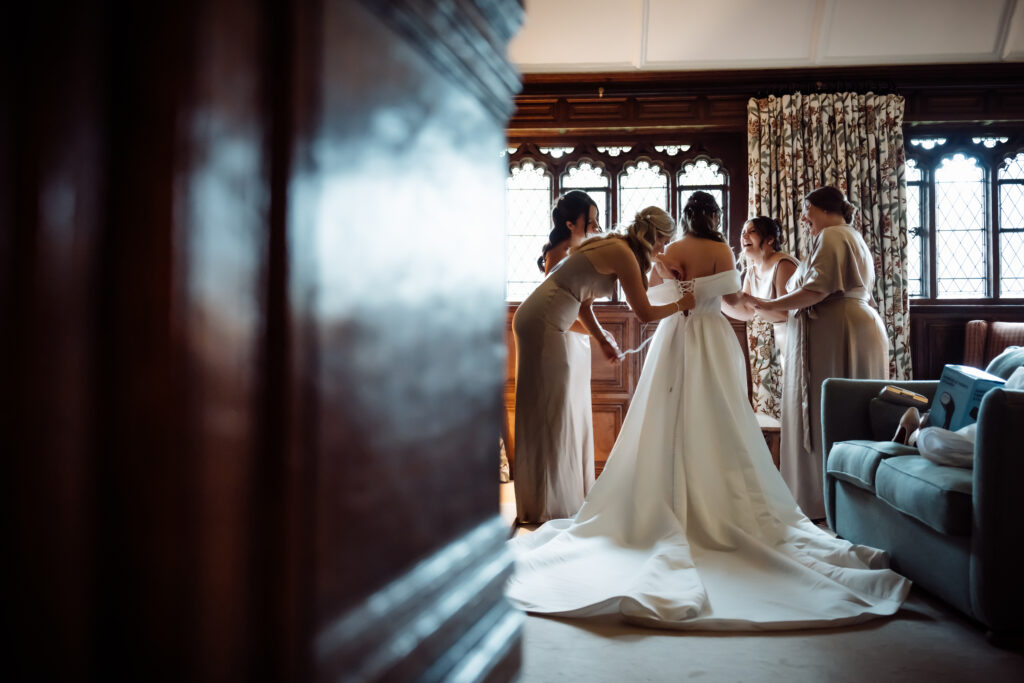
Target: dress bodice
x=707, y=291
x=556, y=301
x=576, y=275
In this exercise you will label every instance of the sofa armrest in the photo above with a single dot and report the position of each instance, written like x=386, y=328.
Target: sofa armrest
x=844, y=406
x=997, y=535
x=845, y=416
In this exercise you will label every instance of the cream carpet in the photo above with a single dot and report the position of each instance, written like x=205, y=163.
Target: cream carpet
x=925, y=641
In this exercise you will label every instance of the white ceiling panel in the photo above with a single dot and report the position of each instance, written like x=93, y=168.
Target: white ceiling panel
x=581, y=34
x=1014, y=48
x=629, y=35
x=863, y=30
x=691, y=33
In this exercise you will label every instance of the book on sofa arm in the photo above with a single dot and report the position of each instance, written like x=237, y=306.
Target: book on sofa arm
x=956, y=401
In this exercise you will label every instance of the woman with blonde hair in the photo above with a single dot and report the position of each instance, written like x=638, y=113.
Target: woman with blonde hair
x=554, y=456
x=690, y=525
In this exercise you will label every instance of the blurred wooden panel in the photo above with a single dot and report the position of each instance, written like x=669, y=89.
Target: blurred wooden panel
x=608, y=416
x=250, y=408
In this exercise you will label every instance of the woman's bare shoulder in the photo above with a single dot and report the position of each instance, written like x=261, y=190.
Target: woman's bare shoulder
x=724, y=258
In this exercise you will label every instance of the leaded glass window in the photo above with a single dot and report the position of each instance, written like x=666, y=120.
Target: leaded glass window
x=528, y=194
x=960, y=228
x=915, y=225
x=965, y=217
x=594, y=180
x=1010, y=192
x=703, y=174
x=641, y=184
x=621, y=177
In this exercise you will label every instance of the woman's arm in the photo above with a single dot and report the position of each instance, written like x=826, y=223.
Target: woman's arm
x=783, y=272
x=628, y=272
x=588, y=321
x=800, y=298
x=736, y=305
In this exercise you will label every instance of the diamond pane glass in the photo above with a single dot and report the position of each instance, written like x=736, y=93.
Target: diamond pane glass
x=584, y=175
x=960, y=228
x=989, y=142
x=1011, y=240
x=593, y=180
x=613, y=151
x=527, y=219
x=701, y=172
x=914, y=255
x=685, y=194
x=671, y=150
x=641, y=185
x=913, y=171
x=1012, y=169
x=928, y=143
x=556, y=152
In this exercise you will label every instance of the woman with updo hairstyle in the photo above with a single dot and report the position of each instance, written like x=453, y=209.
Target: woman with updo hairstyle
x=554, y=448
x=691, y=519
x=833, y=330
x=766, y=271
x=573, y=218
x=702, y=250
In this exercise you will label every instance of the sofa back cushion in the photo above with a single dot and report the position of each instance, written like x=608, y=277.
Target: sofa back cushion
x=1006, y=362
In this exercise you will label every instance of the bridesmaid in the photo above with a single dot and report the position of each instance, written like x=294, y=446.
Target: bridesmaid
x=554, y=429
x=833, y=330
x=574, y=217
x=767, y=270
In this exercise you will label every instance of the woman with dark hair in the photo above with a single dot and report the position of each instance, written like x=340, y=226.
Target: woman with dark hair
x=701, y=219
x=767, y=269
x=554, y=452
x=833, y=331
x=573, y=217
x=690, y=525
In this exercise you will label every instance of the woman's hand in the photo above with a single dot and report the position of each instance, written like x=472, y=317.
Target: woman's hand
x=666, y=270
x=609, y=348
x=686, y=302
x=760, y=304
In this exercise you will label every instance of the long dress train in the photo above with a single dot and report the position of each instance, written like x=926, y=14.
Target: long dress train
x=690, y=526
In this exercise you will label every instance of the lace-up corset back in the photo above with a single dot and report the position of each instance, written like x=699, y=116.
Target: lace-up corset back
x=707, y=291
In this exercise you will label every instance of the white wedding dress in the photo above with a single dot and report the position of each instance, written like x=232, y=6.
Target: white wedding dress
x=690, y=526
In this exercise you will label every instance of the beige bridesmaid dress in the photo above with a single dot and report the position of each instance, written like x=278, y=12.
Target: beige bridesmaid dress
x=554, y=432
x=842, y=336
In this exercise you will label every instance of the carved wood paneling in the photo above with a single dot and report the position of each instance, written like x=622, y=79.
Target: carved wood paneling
x=612, y=386
x=937, y=332
x=717, y=100
x=608, y=415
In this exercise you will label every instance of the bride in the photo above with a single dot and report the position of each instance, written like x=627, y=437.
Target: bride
x=690, y=526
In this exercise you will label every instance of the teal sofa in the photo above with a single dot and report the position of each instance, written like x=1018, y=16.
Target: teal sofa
x=958, y=533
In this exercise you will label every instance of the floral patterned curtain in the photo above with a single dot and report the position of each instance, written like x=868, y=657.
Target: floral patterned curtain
x=796, y=143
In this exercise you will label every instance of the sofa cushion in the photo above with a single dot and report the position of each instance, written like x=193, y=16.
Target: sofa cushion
x=857, y=461
x=936, y=495
x=1005, y=363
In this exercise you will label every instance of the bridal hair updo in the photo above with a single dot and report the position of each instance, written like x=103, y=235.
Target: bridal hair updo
x=702, y=216
x=833, y=200
x=641, y=234
x=569, y=207
x=769, y=230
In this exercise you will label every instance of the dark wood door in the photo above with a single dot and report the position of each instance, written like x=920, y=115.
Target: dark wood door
x=252, y=296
